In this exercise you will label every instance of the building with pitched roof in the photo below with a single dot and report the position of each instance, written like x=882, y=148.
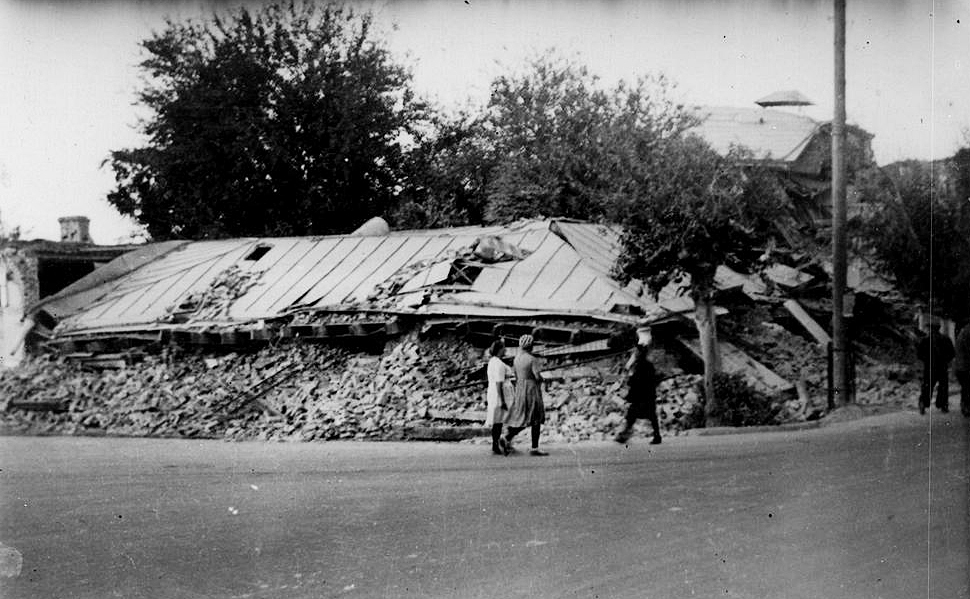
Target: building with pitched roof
x=533, y=268
x=792, y=144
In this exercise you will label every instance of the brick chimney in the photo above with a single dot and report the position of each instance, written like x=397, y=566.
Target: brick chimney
x=75, y=229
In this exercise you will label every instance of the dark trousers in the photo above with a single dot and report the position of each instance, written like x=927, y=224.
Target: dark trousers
x=940, y=380
x=643, y=411
x=964, y=378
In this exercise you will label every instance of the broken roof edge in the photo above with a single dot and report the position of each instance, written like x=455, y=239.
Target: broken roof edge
x=118, y=267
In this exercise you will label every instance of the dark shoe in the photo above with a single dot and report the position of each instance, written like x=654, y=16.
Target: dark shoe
x=623, y=436
x=922, y=410
x=505, y=446
x=655, y=441
x=944, y=409
x=497, y=451
x=537, y=451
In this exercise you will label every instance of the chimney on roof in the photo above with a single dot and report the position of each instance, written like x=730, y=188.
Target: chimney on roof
x=75, y=229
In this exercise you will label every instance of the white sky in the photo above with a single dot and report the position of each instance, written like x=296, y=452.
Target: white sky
x=68, y=74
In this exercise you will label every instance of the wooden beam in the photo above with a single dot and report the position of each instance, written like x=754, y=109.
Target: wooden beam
x=805, y=319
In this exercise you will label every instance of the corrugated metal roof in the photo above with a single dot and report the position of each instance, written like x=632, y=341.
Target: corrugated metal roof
x=770, y=134
x=562, y=272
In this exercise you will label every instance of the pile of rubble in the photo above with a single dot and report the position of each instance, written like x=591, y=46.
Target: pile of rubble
x=214, y=301
x=302, y=390
x=305, y=391
x=886, y=374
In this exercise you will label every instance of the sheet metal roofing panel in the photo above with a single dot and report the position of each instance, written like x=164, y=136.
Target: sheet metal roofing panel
x=338, y=249
x=194, y=280
x=363, y=273
x=347, y=257
x=280, y=276
x=182, y=259
x=523, y=273
x=93, y=285
x=554, y=272
x=145, y=295
x=406, y=252
x=599, y=245
x=769, y=134
x=432, y=275
x=341, y=270
x=365, y=269
x=550, y=280
x=527, y=236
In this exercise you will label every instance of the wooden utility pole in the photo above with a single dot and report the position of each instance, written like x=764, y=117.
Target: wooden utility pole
x=839, y=244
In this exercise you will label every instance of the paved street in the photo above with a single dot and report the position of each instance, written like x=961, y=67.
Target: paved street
x=870, y=508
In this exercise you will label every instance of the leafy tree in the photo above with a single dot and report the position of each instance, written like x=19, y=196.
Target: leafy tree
x=290, y=120
x=563, y=143
x=447, y=174
x=692, y=211
x=917, y=227
x=551, y=141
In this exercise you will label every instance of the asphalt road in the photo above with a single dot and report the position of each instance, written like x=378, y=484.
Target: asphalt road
x=871, y=508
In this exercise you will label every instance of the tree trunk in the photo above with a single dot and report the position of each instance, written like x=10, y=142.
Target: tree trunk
x=704, y=318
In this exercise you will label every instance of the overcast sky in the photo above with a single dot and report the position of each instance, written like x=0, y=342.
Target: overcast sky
x=68, y=72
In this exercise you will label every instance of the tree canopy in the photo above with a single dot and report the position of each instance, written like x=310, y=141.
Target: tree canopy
x=692, y=211
x=565, y=144
x=447, y=173
x=917, y=226
x=552, y=140
x=289, y=120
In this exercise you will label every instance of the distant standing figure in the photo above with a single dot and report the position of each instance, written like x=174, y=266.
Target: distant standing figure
x=526, y=409
x=935, y=352
x=498, y=395
x=961, y=367
x=642, y=392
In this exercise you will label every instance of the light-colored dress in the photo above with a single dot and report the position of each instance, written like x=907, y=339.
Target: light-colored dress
x=526, y=409
x=498, y=372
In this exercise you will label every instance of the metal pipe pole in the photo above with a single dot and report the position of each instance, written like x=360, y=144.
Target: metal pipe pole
x=839, y=242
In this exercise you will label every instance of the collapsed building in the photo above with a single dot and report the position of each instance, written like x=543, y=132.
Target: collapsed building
x=380, y=334
x=33, y=270
x=376, y=334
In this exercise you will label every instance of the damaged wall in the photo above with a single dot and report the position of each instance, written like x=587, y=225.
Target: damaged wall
x=18, y=289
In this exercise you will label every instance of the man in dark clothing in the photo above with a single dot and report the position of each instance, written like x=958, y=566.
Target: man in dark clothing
x=935, y=351
x=642, y=393
x=961, y=367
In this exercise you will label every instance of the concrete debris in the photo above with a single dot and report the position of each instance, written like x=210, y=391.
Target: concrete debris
x=428, y=383
x=332, y=394
x=213, y=303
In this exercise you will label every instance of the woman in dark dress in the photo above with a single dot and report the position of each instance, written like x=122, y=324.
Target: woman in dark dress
x=526, y=409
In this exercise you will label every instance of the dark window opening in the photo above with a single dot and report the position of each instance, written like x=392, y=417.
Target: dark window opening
x=54, y=275
x=258, y=252
x=463, y=273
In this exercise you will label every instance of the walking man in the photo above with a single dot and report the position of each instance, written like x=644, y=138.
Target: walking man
x=642, y=393
x=935, y=351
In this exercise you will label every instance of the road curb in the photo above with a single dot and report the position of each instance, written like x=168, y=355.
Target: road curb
x=838, y=416
x=741, y=430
